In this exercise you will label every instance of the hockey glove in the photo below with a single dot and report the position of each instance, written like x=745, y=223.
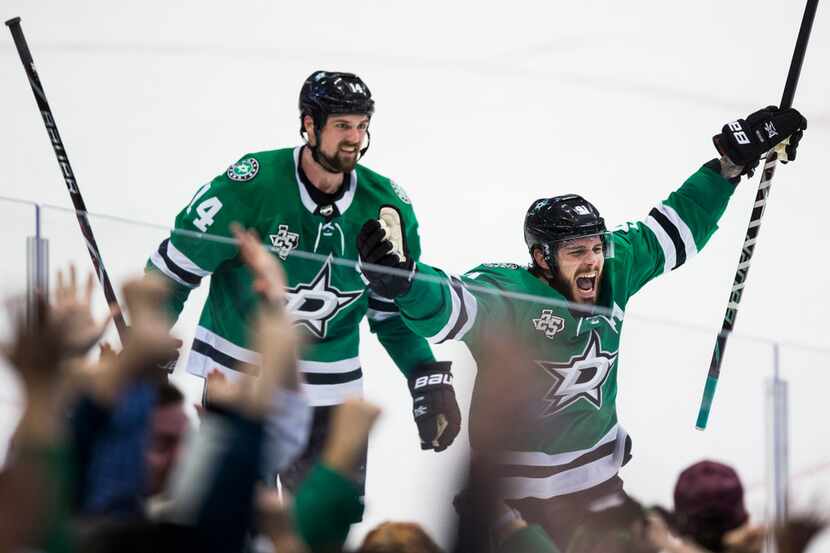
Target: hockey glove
x=381, y=242
x=744, y=140
x=434, y=406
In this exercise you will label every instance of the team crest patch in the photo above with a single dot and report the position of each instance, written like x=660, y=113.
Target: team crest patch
x=284, y=241
x=244, y=170
x=549, y=324
x=502, y=265
x=400, y=192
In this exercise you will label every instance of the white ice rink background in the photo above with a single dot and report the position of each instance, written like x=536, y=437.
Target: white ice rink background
x=481, y=108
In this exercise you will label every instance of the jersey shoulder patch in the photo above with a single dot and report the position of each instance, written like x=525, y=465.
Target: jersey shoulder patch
x=243, y=170
x=502, y=275
x=404, y=197
x=511, y=266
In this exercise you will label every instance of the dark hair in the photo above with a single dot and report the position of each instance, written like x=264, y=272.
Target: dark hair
x=168, y=394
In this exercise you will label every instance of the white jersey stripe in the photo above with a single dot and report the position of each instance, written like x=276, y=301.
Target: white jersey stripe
x=539, y=459
x=455, y=311
x=228, y=348
x=665, y=241
x=184, y=262
x=158, y=262
x=332, y=394
x=682, y=228
x=471, y=305
x=342, y=366
x=569, y=481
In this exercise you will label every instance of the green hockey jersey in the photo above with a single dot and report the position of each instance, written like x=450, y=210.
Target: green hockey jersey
x=316, y=245
x=575, y=441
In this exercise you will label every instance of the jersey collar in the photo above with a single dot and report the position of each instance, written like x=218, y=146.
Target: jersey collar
x=342, y=204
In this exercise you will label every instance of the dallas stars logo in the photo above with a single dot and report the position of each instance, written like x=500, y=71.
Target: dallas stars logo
x=580, y=378
x=315, y=304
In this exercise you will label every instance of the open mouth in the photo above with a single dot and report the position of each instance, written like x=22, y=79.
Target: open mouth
x=587, y=284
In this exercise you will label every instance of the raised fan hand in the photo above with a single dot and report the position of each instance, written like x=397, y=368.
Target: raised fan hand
x=275, y=337
x=269, y=276
x=71, y=312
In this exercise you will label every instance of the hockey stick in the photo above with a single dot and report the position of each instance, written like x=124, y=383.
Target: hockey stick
x=754, y=223
x=66, y=169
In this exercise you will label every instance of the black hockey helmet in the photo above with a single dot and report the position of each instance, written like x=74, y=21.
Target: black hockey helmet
x=552, y=220
x=330, y=92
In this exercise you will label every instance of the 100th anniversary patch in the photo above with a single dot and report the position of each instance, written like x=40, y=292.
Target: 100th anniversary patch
x=244, y=170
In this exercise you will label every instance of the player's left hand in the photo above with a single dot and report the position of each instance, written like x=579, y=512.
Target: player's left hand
x=744, y=140
x=434, y=406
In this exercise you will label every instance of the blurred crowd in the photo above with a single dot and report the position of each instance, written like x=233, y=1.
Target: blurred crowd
x=105, y=459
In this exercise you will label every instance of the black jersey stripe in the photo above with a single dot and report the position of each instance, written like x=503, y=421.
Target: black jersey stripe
x=383, y=306
x=333, y=378
x=674, y=234
x=223, y=358
x=186, y=276
x=524, y=471
x=457, y=288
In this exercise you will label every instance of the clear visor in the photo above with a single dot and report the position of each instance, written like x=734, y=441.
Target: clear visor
x=588, y=243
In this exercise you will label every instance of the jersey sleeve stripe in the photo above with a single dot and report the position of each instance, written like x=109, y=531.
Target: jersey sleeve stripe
x=455, y=311
x=181, y=260
x=684, y=230
x=674, y=235
x=457, y=289
x=470, y=306
x=159, y=263
x=665, y=241
x=162, y=260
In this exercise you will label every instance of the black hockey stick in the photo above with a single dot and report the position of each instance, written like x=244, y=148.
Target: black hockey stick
x=754, y=223
x=66, y=169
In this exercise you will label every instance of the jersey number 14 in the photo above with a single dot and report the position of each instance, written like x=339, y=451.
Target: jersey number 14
x=206, y=210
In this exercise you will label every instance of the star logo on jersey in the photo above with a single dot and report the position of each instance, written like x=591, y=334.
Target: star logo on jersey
x=314, y=305
x=549, y=324
x=284, y=241
x=581, y=377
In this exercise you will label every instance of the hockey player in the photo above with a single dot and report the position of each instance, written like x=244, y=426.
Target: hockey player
x=566, y=461
x=311, y=199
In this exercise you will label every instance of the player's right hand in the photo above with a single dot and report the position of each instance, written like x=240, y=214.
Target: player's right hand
x=744, y=140
x=375, y=247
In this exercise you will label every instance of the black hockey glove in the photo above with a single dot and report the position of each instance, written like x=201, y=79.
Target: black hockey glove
x=743, y=141
x=434, y=406
x=376, y=245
